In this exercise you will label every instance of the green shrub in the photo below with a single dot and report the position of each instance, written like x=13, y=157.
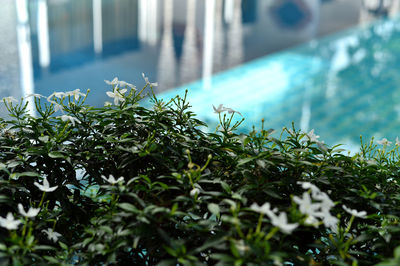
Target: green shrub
x=128, y=185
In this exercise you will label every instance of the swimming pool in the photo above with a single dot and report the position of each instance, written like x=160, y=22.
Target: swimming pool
x=343, y=86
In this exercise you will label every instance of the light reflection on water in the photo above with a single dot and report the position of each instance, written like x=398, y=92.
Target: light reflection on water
x=58, y=45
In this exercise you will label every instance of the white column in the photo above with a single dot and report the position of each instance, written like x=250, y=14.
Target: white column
x=228, y=11
x=24, y=51
x=97, y=27
x=142, y=21
x=208, y=42
x=43, y=34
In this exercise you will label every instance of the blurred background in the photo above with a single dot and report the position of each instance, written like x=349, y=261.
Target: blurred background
x=331, y=65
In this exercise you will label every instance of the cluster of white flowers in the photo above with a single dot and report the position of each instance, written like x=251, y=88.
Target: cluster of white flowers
x=279, y=221
x=221, y=109
x=10, y=223
x=317, y=207
x=120, y=83
x=386, y=142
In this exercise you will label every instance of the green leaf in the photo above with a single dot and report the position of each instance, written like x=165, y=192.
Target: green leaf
x=214, y=209
x=56, y=154
x=128, y=207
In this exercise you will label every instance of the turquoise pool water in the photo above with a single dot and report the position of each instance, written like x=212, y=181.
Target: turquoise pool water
x=343, y=86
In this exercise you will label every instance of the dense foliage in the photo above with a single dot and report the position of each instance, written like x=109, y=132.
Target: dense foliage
x=128, y=185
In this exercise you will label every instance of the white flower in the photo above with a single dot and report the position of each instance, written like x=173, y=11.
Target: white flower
x=264, y=209
x=55, y=94
x=307, y=185
x=9, y=99
x=112, y=180
x=70, y=118
x=117, y=95
x=361, y=214
x=220, y=109
x=384, y=142
x=34, y=95
x=278, y=221
x=46, y=186
x=146, y=79
x=306, y=205
x=330, y=222
x=75, y=93
x=230, y=111
x=9, y=222
x=57, y=106
x=194, y=192
x=312, y=136
x=281, y=222
x=397, y=141
x=106, y=103
x=32, y=212
x=326, y=202
x=114, y=82
x=51, y=235
x=124, y=84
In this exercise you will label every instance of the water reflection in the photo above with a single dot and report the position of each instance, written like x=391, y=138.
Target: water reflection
x=189, y=69
x=235, y=51
x=166, y=72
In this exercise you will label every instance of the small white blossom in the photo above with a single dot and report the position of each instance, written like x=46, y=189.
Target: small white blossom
x=117, y=95
x=312, y=136
x=75, y=93
x=397, y=141
x=194, y=192
x=361, y=214
x=32, y=212
x=146, y=79
x=219, y=109
x=114, y=82
x=55, y=94
x=70, y=118
x=124, y=84
x=112, y=180
x=46, y=186
x=384, y=142
x=276, y=220
x=331, y=222
x=107, y=103
x=282, y=222
x=57, y=106
x=9, y=222
x=34, y=95
x=51, y=235
x=306, y=205
x=9, y=99
x=264, y=209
